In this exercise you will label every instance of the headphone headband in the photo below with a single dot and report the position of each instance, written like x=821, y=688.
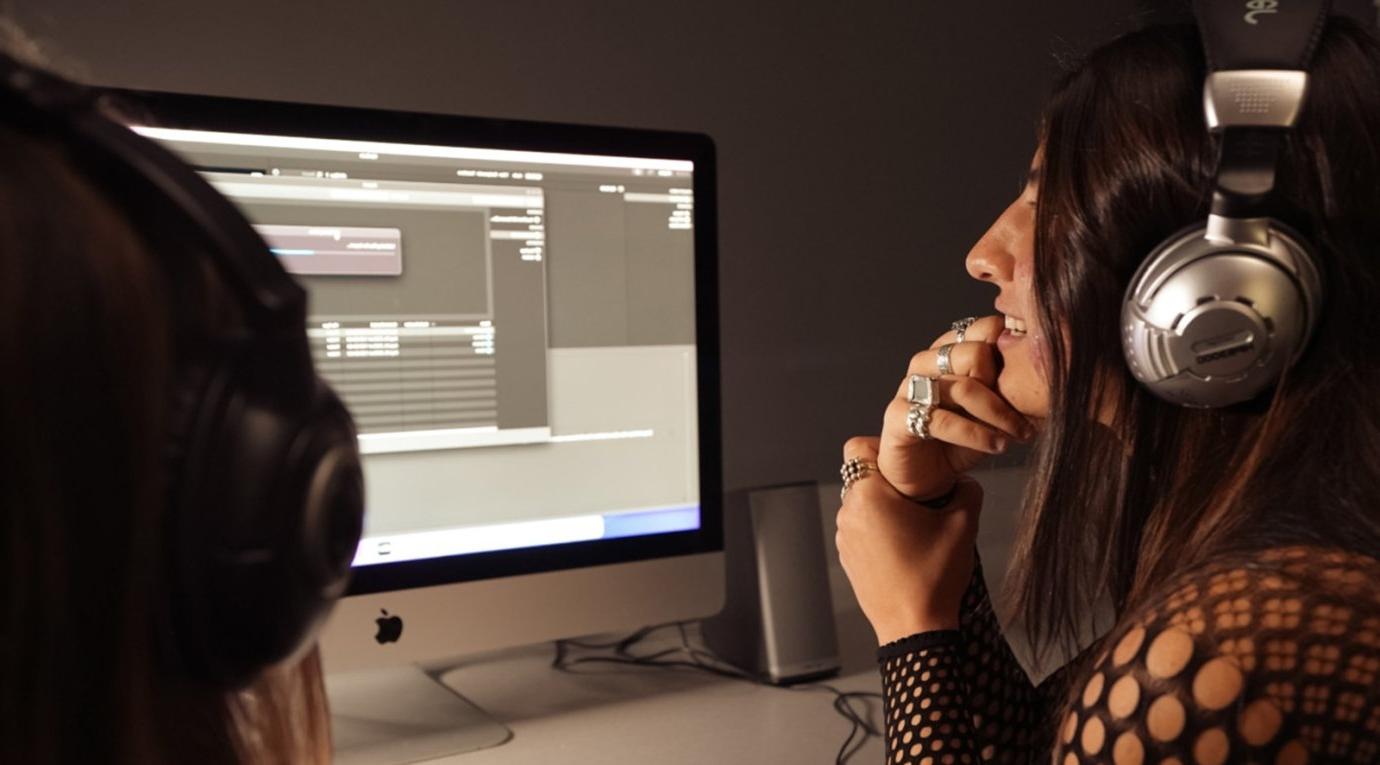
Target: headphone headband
x=1260, y=34
x=1257, y=55
x=117, y=158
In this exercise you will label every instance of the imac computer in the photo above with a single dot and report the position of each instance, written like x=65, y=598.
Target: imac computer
x=522, y=319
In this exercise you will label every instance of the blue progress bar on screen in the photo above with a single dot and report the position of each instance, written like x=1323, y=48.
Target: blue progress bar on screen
x=660, y=521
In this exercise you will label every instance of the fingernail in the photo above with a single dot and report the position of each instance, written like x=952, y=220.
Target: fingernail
x=1001, y=444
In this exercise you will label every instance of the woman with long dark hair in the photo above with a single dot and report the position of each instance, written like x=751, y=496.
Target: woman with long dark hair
x=1235, y=548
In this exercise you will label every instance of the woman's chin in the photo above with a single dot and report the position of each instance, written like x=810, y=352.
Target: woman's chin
x=1027, y=396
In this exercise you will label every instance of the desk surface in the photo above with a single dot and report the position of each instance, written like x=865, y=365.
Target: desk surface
x=620, y=714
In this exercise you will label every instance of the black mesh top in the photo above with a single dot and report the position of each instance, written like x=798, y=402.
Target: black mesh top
x=1268, y=659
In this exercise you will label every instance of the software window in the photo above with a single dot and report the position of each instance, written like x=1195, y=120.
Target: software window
x=513, y=331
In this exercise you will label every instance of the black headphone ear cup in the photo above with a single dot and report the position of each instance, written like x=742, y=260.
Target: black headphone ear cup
x=266, y=526
x=327, y=488
x=197, y=391
x=333, y=504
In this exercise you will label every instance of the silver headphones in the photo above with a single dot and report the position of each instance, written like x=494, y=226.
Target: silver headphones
x=1218, y=311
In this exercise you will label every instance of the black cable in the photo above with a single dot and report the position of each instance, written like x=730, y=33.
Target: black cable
x=622, y=643
x=701, y=660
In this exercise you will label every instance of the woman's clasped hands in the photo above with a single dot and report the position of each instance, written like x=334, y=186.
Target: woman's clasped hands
x=909, y=563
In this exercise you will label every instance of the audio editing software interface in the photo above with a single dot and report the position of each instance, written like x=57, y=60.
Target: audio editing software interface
x=513, y=331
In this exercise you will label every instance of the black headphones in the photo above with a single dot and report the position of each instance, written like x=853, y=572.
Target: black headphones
x=1218, y=311
x=265, y=492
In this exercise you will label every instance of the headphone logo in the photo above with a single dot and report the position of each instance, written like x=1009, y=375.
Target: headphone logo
x=1257, y=7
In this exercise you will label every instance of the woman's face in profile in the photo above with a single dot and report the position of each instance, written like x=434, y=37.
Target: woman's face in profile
x=1005, y=257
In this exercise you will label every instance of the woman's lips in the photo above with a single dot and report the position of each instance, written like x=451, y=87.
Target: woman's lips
x=1007, y=340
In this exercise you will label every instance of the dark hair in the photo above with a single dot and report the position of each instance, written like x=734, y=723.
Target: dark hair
x=86, y=348
x=1113, y=511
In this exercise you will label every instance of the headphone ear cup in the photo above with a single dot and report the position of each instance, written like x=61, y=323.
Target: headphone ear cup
x=197, y=399
x=1209, y=321
x=266, y=528
x=330, y=492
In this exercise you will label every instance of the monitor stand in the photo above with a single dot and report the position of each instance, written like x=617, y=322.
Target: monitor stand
x=402, y=714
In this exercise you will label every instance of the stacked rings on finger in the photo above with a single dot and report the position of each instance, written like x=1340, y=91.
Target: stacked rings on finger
x=961, y=327
x=923, y=395
x=854, y=470
x=946, y=363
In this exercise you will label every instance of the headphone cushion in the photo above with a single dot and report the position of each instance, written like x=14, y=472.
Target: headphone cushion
x=268, y=520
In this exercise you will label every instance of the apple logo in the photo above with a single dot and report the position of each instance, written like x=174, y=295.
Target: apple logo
x=390, y=628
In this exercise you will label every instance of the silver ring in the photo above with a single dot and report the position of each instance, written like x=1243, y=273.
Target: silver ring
x=854, y=469
x=923, y=395
x=922, y=391
x=961, y=327
x=946, y=365
x=918, y=421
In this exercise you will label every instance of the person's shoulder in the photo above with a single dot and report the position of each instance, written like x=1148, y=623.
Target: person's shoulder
x=1228, y=592
x=1263, y=656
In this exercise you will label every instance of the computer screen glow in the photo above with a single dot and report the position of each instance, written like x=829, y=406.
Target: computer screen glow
x=514, y=331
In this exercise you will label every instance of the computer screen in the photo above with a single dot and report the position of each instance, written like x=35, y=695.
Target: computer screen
x=513, y=327
x=522, y=318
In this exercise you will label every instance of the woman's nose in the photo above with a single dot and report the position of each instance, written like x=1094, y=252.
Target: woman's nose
x=989, y=260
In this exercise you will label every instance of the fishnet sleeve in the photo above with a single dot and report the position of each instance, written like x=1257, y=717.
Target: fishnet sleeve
x=1269, y=660
x=1013, y=716
x=959, y=696
x=924, y=701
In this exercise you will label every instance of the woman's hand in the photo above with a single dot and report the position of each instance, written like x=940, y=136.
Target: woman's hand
x=908, y=564
x=971, y=422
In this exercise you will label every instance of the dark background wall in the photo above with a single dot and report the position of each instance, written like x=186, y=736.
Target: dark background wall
x=863, y=146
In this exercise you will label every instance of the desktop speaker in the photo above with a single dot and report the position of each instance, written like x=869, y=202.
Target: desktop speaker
x=778, y=617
